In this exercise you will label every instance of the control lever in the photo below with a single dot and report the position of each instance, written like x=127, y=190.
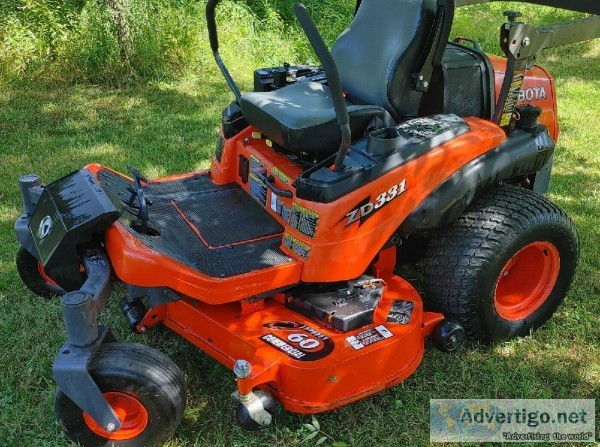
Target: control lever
x=269, y=182
x=138, y=192
x=333, y=79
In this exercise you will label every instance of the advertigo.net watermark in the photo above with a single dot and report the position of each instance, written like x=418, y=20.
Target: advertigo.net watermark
x=508, y=420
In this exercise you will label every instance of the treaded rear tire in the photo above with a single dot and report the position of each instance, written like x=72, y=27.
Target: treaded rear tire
x=139, y=371
x=463, y=263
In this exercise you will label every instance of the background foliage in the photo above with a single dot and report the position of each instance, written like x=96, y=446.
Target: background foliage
x=76, y=40
x=67, y=98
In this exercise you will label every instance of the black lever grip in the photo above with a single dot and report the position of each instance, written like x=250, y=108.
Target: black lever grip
x=269, y=182
x=211, y=24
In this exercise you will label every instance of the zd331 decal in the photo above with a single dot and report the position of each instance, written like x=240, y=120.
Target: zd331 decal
x=367, y=208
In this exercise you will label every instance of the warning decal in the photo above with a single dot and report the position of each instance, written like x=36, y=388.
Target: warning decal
x=298, y=247
x=280, y=175
x=258, y=190
x=304, y=220
x=257, y=187
x=512, y=98
x=369, y=337
x=257, y=167
x=279, y=208
x=400, y=312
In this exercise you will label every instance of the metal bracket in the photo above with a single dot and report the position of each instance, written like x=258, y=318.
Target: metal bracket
x=158, y=295
x=71, y=374
x=522, y=43
x=81, y=307
x=256, y=403
x=80, y=312
x=586, y=6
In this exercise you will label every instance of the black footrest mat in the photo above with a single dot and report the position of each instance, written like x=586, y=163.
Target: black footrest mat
x=218, y=230
x=228, y=217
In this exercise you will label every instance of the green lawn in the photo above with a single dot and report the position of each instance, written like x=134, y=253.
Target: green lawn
x=168, y=127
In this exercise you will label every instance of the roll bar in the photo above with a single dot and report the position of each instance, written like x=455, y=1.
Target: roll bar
x=522, y=43
x=333, y=76
x=587, y=6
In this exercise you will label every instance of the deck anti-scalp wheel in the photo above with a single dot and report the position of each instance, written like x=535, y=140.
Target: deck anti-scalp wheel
x=145, y=388
x=33, y=276
x=504, y=266
x=448, y=336
x=242, y=413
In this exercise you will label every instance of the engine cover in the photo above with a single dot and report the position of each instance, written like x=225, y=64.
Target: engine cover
x=342, y=306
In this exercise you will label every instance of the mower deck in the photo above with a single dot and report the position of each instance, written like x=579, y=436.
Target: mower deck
x=219, y=231
x=308, y=367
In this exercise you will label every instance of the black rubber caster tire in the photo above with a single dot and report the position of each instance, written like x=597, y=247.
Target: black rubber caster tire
x=504, y=266
x=144, y=377
x=448, y=336
x=243, y=418
x=31, y=272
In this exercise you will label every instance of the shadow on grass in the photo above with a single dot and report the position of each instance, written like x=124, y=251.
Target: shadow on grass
x=161, y=129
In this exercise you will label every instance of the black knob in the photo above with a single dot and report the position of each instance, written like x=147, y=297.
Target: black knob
x=279, y=77
x=512, y=15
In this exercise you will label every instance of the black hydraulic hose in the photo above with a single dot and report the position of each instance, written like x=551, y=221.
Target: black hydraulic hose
x=333, y=80
x=213, y=37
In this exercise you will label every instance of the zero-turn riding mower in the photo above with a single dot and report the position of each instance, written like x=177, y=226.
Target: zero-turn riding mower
x=279, y=261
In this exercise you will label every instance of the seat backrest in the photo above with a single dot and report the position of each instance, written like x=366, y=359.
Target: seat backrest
x=388, y=45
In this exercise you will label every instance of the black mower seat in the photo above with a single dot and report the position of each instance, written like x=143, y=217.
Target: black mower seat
x=301, y=117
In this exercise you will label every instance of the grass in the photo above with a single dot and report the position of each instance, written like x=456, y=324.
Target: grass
x=165, y=127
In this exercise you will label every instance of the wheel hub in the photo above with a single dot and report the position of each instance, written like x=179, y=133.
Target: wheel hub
x=526, y=281
x=131, y=412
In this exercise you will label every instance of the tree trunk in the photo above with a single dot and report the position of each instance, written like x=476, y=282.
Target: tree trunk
x=117, y=10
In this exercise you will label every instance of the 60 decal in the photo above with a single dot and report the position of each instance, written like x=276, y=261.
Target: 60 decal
x=298, y=341
x=362, y=211
x=304, y=341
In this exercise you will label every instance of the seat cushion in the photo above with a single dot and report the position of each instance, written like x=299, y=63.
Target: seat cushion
x=300, y=117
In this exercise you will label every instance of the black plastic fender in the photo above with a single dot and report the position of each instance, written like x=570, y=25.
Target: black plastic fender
x=522, y=154
x=67, y=214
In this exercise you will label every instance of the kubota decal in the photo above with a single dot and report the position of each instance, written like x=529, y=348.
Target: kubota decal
x=298, y=341
x=366, y=208
x=532, y=94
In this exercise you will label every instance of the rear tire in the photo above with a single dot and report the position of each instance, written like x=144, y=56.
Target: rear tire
x=504, y=266
x=32, y=274
x=144, y=386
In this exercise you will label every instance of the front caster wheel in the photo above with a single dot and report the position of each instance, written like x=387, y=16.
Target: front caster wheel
x=145, y=388
x=448, y=336
x=34, y=277
x=257, y=413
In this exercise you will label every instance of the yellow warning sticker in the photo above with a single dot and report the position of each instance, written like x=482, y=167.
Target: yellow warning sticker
x=512, y=98
x=304, y=220
x=296, y=246
x=280, y=175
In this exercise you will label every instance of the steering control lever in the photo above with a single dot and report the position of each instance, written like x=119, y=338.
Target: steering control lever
x=333, y=80
x=138, y=192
